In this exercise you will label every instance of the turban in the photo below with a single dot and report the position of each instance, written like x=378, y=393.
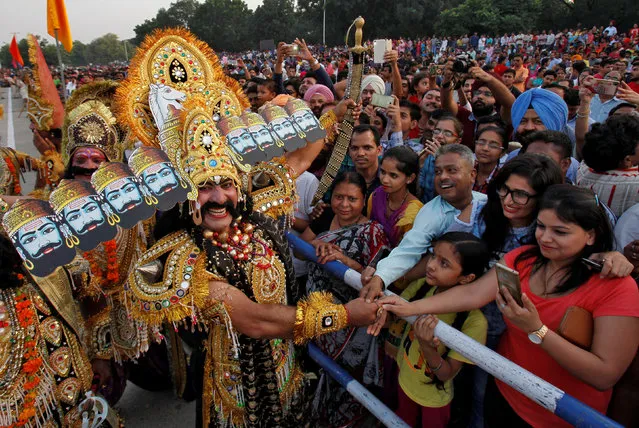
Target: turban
x=319, y=89
x=375, y=82
x=550, y=107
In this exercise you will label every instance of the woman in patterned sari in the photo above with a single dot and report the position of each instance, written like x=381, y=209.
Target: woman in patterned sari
x=356, y=241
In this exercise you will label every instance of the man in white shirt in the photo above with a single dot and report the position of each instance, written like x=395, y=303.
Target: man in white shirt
x=610, y=30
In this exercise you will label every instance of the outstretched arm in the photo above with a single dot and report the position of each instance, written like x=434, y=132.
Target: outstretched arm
x=300, y=160
x=270, y=321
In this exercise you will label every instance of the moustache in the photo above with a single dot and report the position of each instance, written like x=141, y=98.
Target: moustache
x=228, y=205
x=50, y=246
x=89, y=225
x=78, y=170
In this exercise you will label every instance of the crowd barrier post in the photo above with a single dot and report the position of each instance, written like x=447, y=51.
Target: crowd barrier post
x=356, y=389
x=544, y=393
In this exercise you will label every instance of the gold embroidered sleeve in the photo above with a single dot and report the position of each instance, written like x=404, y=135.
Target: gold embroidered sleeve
x=328, y=120
x=183, y=287
x=272, y=187
x=317, y=315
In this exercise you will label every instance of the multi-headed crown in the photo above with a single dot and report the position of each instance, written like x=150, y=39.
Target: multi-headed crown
x=143, y=157
x=24, y=212
x=206, y=155
x=109, y=173
x=252, y=119
x=230, y=124
x=69, y=191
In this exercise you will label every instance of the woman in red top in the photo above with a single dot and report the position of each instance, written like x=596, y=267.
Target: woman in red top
x=571, y=225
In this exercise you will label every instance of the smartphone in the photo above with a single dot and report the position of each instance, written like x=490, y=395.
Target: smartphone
x=380, y=47
x=606, y=87
x=596, y=266
x=509, y=279
x=382, y=101
x=292, y=49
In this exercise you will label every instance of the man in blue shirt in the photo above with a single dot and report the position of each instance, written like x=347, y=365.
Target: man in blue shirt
x=454, y=178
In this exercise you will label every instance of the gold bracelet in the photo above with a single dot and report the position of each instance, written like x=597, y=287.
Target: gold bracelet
x=317, y=315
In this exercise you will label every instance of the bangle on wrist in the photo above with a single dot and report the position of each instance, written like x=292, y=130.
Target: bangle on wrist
x=436, y=369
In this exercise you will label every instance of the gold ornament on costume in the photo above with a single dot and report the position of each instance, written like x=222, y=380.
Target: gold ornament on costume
x=205, y=155
x=316, y=315
x=69, y=191
x=144, y=157
x=109, y=173
x=90, y=122
x=25, y=211
x=175, y=58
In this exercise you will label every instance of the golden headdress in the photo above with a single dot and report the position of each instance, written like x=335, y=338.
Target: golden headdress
x=177, y=59
x=25, y=211
x=109, y=173
x=145, y=156
x=90, y=122
x=69, y=191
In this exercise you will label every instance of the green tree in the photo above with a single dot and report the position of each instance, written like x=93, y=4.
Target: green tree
x=224, y=25
x=275, y=20
x=105, y=49
x=177, y=15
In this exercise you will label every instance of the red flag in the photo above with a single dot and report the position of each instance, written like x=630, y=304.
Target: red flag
x=15, y=52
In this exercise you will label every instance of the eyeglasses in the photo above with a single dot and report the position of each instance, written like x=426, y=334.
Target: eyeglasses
x=518, y=196
x=491, y=145
x=487, y=94
x=446, y=132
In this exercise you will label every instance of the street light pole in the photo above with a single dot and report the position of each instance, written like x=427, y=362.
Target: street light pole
x=324, y=26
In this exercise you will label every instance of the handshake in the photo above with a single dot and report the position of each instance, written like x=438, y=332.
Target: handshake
x=366, y=309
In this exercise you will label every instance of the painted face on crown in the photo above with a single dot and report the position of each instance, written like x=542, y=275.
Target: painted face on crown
x=305, y=119
x=242, y=141
x=123, y=195
x=39, y=238
x=261, y=135
x=84, y=215
x=283, y=128
x=160, y=179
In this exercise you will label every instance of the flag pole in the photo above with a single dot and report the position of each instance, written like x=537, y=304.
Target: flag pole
x=57, y=48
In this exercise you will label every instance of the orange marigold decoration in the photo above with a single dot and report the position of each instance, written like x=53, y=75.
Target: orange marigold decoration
x=32, y=360
x=112, y=274
x=14, y=175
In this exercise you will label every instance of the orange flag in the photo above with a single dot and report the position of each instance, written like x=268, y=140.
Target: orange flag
x=15, y=53
x=57, y=20
x=45, y=109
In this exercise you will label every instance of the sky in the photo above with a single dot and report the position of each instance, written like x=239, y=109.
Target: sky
x=88, y=19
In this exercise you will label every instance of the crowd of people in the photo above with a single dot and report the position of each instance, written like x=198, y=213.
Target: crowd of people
x=520, y=150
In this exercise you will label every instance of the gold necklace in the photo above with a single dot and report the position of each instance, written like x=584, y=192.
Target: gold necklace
x=388, y=203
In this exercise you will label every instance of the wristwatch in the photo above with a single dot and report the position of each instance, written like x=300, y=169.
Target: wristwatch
x=537, y=336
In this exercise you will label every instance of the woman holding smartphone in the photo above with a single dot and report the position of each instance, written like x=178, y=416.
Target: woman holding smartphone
x=571, y=224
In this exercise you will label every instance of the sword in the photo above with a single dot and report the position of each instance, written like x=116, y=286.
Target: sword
x=353, y=89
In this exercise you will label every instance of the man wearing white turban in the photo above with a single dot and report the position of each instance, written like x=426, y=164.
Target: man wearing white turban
x=371, y=84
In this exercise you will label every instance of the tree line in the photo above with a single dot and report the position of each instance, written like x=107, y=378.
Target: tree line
x=230, y=25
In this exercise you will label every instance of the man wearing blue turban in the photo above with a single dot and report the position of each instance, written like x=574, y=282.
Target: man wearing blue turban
x=538, y=110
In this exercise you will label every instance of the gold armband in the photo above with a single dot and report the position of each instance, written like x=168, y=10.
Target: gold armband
x=317, y=315
x=327, y=121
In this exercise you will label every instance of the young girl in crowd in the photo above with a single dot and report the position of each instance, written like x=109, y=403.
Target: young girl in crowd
x=426, y=367
x=420, y=86
x=394, y=204
x=490, y=147
x=571, y=225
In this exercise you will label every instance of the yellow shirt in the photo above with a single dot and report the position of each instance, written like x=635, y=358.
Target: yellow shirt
x=412, y=378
